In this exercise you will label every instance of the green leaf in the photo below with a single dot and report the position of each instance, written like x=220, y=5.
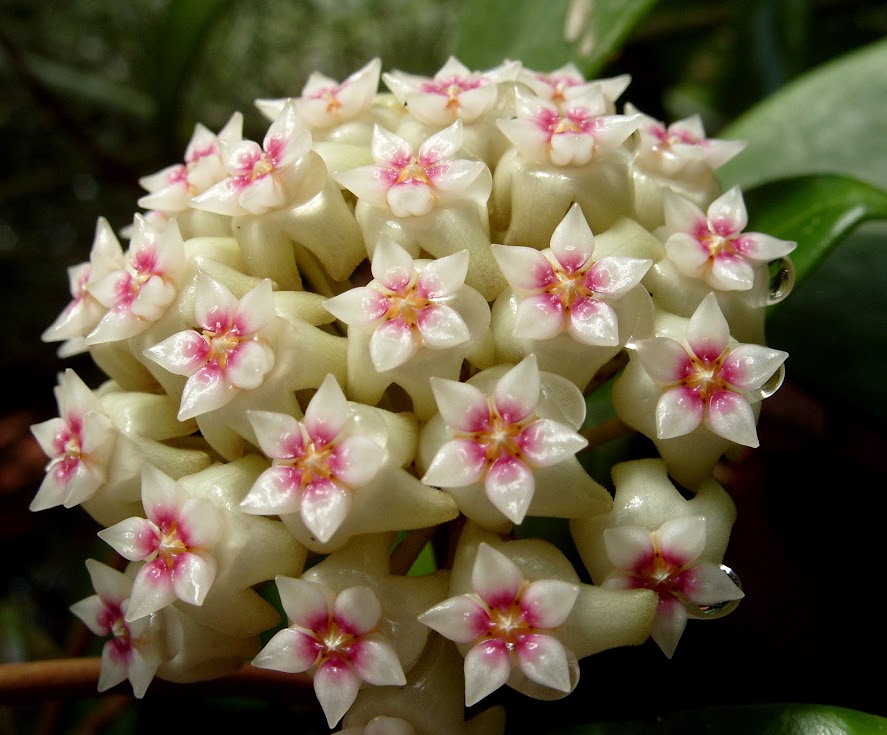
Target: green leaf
x=817, y=212
x=830, y=120
x=175, y=55
x=764, y=719
x=546, y=35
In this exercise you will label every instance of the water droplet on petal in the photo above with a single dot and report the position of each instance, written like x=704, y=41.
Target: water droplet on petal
x=782, y=280
x=772, y=384
x=719, y=610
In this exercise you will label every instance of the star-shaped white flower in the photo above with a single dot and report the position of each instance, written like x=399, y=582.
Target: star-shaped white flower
x=317, y=464
x=176, y=541
x=455, y=92
x=337, y=638
x=567, y=82
x=680, y=150
x=563, y=290
x=324, y=102
x=407, y=307
x=173, y=188
x=84, y=311
x=707, y=380
x=495, y=443
x=410, y=183
x=139, y=293
x=656, y=539
x=228, y=355
x=79, y=443
x=136, y=649
x=259, y=178
x=667, y=561
x=510, y=622
x=712, y=245
x=570, y=134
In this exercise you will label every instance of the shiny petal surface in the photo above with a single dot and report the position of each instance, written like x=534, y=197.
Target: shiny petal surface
x=462, y=407
x=682, y=540
x=336, y=688
x=325, y=505
x=678, y=411
x=729, y=415
x=629, y=548
x=543, y=660
x=375, y=661
x=510, y=486
x=357, y=610
x=546, y=442
x=495, y=578
x=546, y=603
x=457, y=463
x=708, y=331
x=664, y=359
x=487, y=667
x=461, y=619
x=516, y=393
x=392, y=344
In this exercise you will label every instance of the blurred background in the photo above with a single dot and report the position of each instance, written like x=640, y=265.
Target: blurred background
x=94, y=95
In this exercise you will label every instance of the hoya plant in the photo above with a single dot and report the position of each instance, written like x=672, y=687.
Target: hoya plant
x=426, y=400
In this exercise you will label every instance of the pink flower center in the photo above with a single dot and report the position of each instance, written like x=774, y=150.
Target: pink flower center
x=704, y=376
x=330, y=96
x=574, y=120
x=660, y=575
x=508, y=623
x=407, y=305
x=667, y=138
x=452, y=87
x=499, y=436
x=315, y=462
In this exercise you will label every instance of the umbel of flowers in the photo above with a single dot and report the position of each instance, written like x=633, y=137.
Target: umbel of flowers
x=380, y=326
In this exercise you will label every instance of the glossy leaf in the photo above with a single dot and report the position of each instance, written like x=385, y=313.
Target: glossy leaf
x=817, y=212
x=830, y=120
x=546, y=35
x=764, y=719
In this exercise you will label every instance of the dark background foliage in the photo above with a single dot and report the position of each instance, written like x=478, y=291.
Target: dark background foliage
x=95, y=95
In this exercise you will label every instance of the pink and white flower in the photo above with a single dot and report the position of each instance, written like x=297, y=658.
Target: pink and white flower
x=259, y=178
x=317, y=464
x=510, y=621
x=228, y=355
x=84, y=311
x=79, y=443
x=325, y=102
x=173, y=188
x=707, y=380
x=454, y=93
x=412, y=184
x=568, y=134
x=176, y=541
x=678, y=150
x=712, y=245
x=407, y=305
x=139, y=293
x=667, y=561
x=563, y=290
x=335, y=637
x=136, y=649
x=567, y=82
x=499, y=440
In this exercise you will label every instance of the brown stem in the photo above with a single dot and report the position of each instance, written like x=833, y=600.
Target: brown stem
x=41, y=681
x=408, y=550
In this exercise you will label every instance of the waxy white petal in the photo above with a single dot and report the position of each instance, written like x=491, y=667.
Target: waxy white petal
x=546, y=603
x=375, y=661
x=357, y=610
x=729, y=415
x=593, y=322
x=462, y=406
x=614, y=275
x=664, y=359
x=152, y=590
x=629, y=548
x=730, y=273
x=327, y=412
x=545, y=442
x=275, y=492
x=325, y=505
x=336, y=688
x=708, y=331
x=458, y=463
x=307, y=604
x=358, y=307
x=193, y=576
x=487, y=667
x=668, y=624
x=750, y=366
x=516, y=393
x=495, y=578
x=290, y=651
x=525, y=269
x=682, y=540
x=279, y=435
x=572, y=242
x=441, y=326
x=678, y=412
x=510, y=486
x=543, y=660
x=708, y=584
x=134, y=538
x=357, y=460
x=443, y=277
x=539, y=317
x=461, y=619
x=727, y=214
x=392, y=344
x=182, y=353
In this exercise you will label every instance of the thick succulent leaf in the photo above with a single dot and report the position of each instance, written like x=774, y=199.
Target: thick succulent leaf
x=546, y=35
x=761, y=719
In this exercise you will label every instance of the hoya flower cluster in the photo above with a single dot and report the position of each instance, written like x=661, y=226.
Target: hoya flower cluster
x=384, y=319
